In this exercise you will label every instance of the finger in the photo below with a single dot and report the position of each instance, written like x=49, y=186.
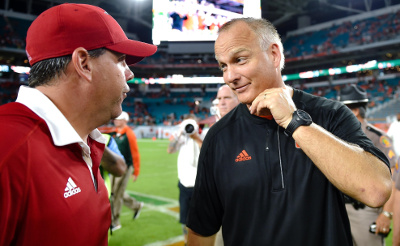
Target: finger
x=382, y=230
x=254, y=104
x=264, y=96
x=260, y=106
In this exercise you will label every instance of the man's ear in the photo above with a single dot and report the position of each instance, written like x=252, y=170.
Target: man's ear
x=276, y=54
x=82, y=63
x=356, y=111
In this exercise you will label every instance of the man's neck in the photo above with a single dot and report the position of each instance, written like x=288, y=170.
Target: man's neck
x=68, y=109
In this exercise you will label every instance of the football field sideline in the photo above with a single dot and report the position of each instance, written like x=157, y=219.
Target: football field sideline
x=161, y=204
x=156, y=186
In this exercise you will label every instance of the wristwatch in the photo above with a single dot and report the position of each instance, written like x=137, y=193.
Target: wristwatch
x=300, y=118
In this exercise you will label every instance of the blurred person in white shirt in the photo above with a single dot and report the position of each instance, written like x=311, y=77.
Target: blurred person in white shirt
x=188, y=142
x=394, y=133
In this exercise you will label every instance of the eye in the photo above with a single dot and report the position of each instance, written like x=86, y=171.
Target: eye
x=122, y=58
x=240, y=60
x=222, y=67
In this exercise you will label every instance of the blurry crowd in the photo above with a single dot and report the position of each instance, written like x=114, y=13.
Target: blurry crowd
x=343, y=35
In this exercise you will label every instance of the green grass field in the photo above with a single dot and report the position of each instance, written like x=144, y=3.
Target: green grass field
x=156, y=186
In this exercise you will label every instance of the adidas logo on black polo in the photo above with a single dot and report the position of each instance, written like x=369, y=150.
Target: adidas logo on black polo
x=243, y=156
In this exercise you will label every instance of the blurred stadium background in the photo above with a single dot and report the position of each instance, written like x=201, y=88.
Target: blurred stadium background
x=328, y=44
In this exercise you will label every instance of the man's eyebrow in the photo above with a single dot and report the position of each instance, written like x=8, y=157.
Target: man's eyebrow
x=238, y=50
x=118, y=55
x=122, y=57
x=234, y=52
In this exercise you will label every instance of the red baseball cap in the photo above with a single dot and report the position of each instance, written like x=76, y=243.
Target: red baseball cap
x=59, y=30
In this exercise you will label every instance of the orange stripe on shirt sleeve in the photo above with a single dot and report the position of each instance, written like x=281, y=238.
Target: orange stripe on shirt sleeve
x=134, y=152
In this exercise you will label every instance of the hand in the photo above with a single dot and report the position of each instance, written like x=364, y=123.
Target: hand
x=195, y=136
x=134, y=177
x=277, y=102
x=173, y=143
x=382, y=224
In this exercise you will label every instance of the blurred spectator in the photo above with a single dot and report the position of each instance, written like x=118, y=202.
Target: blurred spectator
x=360, y=215
x=127, y=144
x=394, y=133
x=188, y=142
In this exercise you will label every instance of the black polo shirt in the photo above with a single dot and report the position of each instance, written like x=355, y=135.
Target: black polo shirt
x=261, y=187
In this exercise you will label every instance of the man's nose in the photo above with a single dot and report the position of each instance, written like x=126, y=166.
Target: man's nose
x=231, y=75
x=128, y=73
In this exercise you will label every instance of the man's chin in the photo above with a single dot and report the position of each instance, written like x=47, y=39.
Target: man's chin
x=116, y=113
x=245, y=101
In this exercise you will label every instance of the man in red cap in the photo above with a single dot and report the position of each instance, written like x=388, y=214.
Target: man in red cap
x=51, y=192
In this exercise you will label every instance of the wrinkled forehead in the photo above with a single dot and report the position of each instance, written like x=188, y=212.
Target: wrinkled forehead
x=233, y=40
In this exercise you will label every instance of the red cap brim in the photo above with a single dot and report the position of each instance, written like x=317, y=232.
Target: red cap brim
x=135, y=50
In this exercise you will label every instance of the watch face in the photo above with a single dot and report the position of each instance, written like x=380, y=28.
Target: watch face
x=304, y=116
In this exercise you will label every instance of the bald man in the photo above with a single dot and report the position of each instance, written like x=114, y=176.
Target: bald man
x=227, y=100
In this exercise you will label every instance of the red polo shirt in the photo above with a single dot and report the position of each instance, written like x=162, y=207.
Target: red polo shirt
x=47, y=196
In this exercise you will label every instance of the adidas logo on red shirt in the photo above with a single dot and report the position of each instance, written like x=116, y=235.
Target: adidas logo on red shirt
x=243, y=156
x=71, y=188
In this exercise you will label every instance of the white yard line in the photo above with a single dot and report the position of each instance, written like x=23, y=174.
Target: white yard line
x=165, y=199
x=160, y=208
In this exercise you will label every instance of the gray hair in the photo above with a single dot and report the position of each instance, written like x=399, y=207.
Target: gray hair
x=264, y=30
x=44, y=71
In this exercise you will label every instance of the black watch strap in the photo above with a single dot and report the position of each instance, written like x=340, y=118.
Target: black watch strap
x=300, y=118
